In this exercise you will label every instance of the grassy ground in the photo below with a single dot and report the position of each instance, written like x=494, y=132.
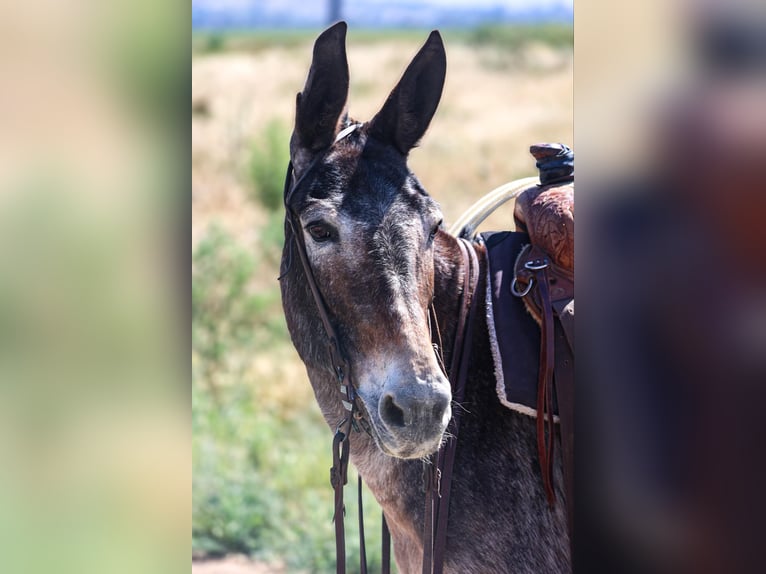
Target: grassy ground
x=261, y=450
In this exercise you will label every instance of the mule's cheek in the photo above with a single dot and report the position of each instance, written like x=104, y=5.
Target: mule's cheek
x=337, y=270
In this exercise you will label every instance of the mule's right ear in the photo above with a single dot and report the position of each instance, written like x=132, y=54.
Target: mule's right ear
x=320, y=105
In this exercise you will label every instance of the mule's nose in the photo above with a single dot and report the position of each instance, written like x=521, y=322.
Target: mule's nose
x=416, y=409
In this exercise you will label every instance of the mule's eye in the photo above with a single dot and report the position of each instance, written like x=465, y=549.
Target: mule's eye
x=319, y=232
x=434, y=231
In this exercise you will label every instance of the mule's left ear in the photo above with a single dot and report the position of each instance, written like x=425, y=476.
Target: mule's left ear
x=409, y=108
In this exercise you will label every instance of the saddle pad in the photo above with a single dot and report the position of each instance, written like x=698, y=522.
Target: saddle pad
x=514, y=334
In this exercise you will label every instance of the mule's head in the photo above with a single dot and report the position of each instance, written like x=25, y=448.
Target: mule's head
x=369, y=230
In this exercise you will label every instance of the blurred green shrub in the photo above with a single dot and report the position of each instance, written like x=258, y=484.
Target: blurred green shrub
x=272, y=236
x=539, y=48
x=266, y=166
x=214, y=42
x=232, y=506
x=267, y=162
x=514, y=37
x=261, y=485
x=227, y=312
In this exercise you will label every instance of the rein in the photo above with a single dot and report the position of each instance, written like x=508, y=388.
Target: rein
x=438, y=469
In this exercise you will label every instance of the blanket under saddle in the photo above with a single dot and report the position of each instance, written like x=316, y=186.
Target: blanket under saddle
x=514, y=334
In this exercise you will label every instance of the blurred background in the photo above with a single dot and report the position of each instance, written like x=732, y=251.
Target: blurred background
x=95, y=461
x=261, y=451
x=670, y=104
x=100, y=192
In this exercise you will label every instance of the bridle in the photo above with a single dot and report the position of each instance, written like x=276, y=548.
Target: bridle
x=339, y=362
x=342, y=372
x=438, y=469
x=340, y=368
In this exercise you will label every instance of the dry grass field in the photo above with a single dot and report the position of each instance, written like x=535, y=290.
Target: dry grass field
x=495, y=104
x=261, y=449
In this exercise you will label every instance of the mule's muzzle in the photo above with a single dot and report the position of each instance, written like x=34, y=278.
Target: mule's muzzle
x=415, y=417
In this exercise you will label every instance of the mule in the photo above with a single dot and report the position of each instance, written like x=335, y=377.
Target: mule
x=380, y=256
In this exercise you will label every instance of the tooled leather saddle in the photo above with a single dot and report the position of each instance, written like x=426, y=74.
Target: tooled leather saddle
x=530, y=311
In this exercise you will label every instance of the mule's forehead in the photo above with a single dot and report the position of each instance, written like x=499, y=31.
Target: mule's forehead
x=365, y=188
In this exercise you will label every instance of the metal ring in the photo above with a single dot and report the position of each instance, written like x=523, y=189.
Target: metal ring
x=537, y=264
x=526, y=291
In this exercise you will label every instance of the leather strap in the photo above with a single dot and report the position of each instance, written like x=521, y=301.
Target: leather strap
x=429, y=477
x=548, y=292
x=564, y=310
x=362, y=548
x=338, y=479
x=385, y=543
x=447, y=461
x=545, y=443
x=564, y=381
x=439, y=475
x=340, y=446
x=338, y=360
x=560, y=281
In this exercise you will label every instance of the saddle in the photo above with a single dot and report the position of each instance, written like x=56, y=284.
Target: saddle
x=531, y=281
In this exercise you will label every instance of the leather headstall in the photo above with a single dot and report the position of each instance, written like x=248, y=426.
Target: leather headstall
x=438, y=469
x=340, y=368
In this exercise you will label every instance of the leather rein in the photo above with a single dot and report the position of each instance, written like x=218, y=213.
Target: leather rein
x=438, y=469
x=438, y=474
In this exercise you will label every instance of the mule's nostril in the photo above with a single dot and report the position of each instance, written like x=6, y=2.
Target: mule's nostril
x=391, y=413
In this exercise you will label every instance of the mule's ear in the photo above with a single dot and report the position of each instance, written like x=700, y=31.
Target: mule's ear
x=320, y=105
x=409, y=108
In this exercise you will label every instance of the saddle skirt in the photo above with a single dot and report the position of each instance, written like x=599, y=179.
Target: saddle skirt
x=514, y=334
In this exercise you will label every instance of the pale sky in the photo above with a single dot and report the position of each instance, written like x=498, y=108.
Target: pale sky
x=224, y=5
